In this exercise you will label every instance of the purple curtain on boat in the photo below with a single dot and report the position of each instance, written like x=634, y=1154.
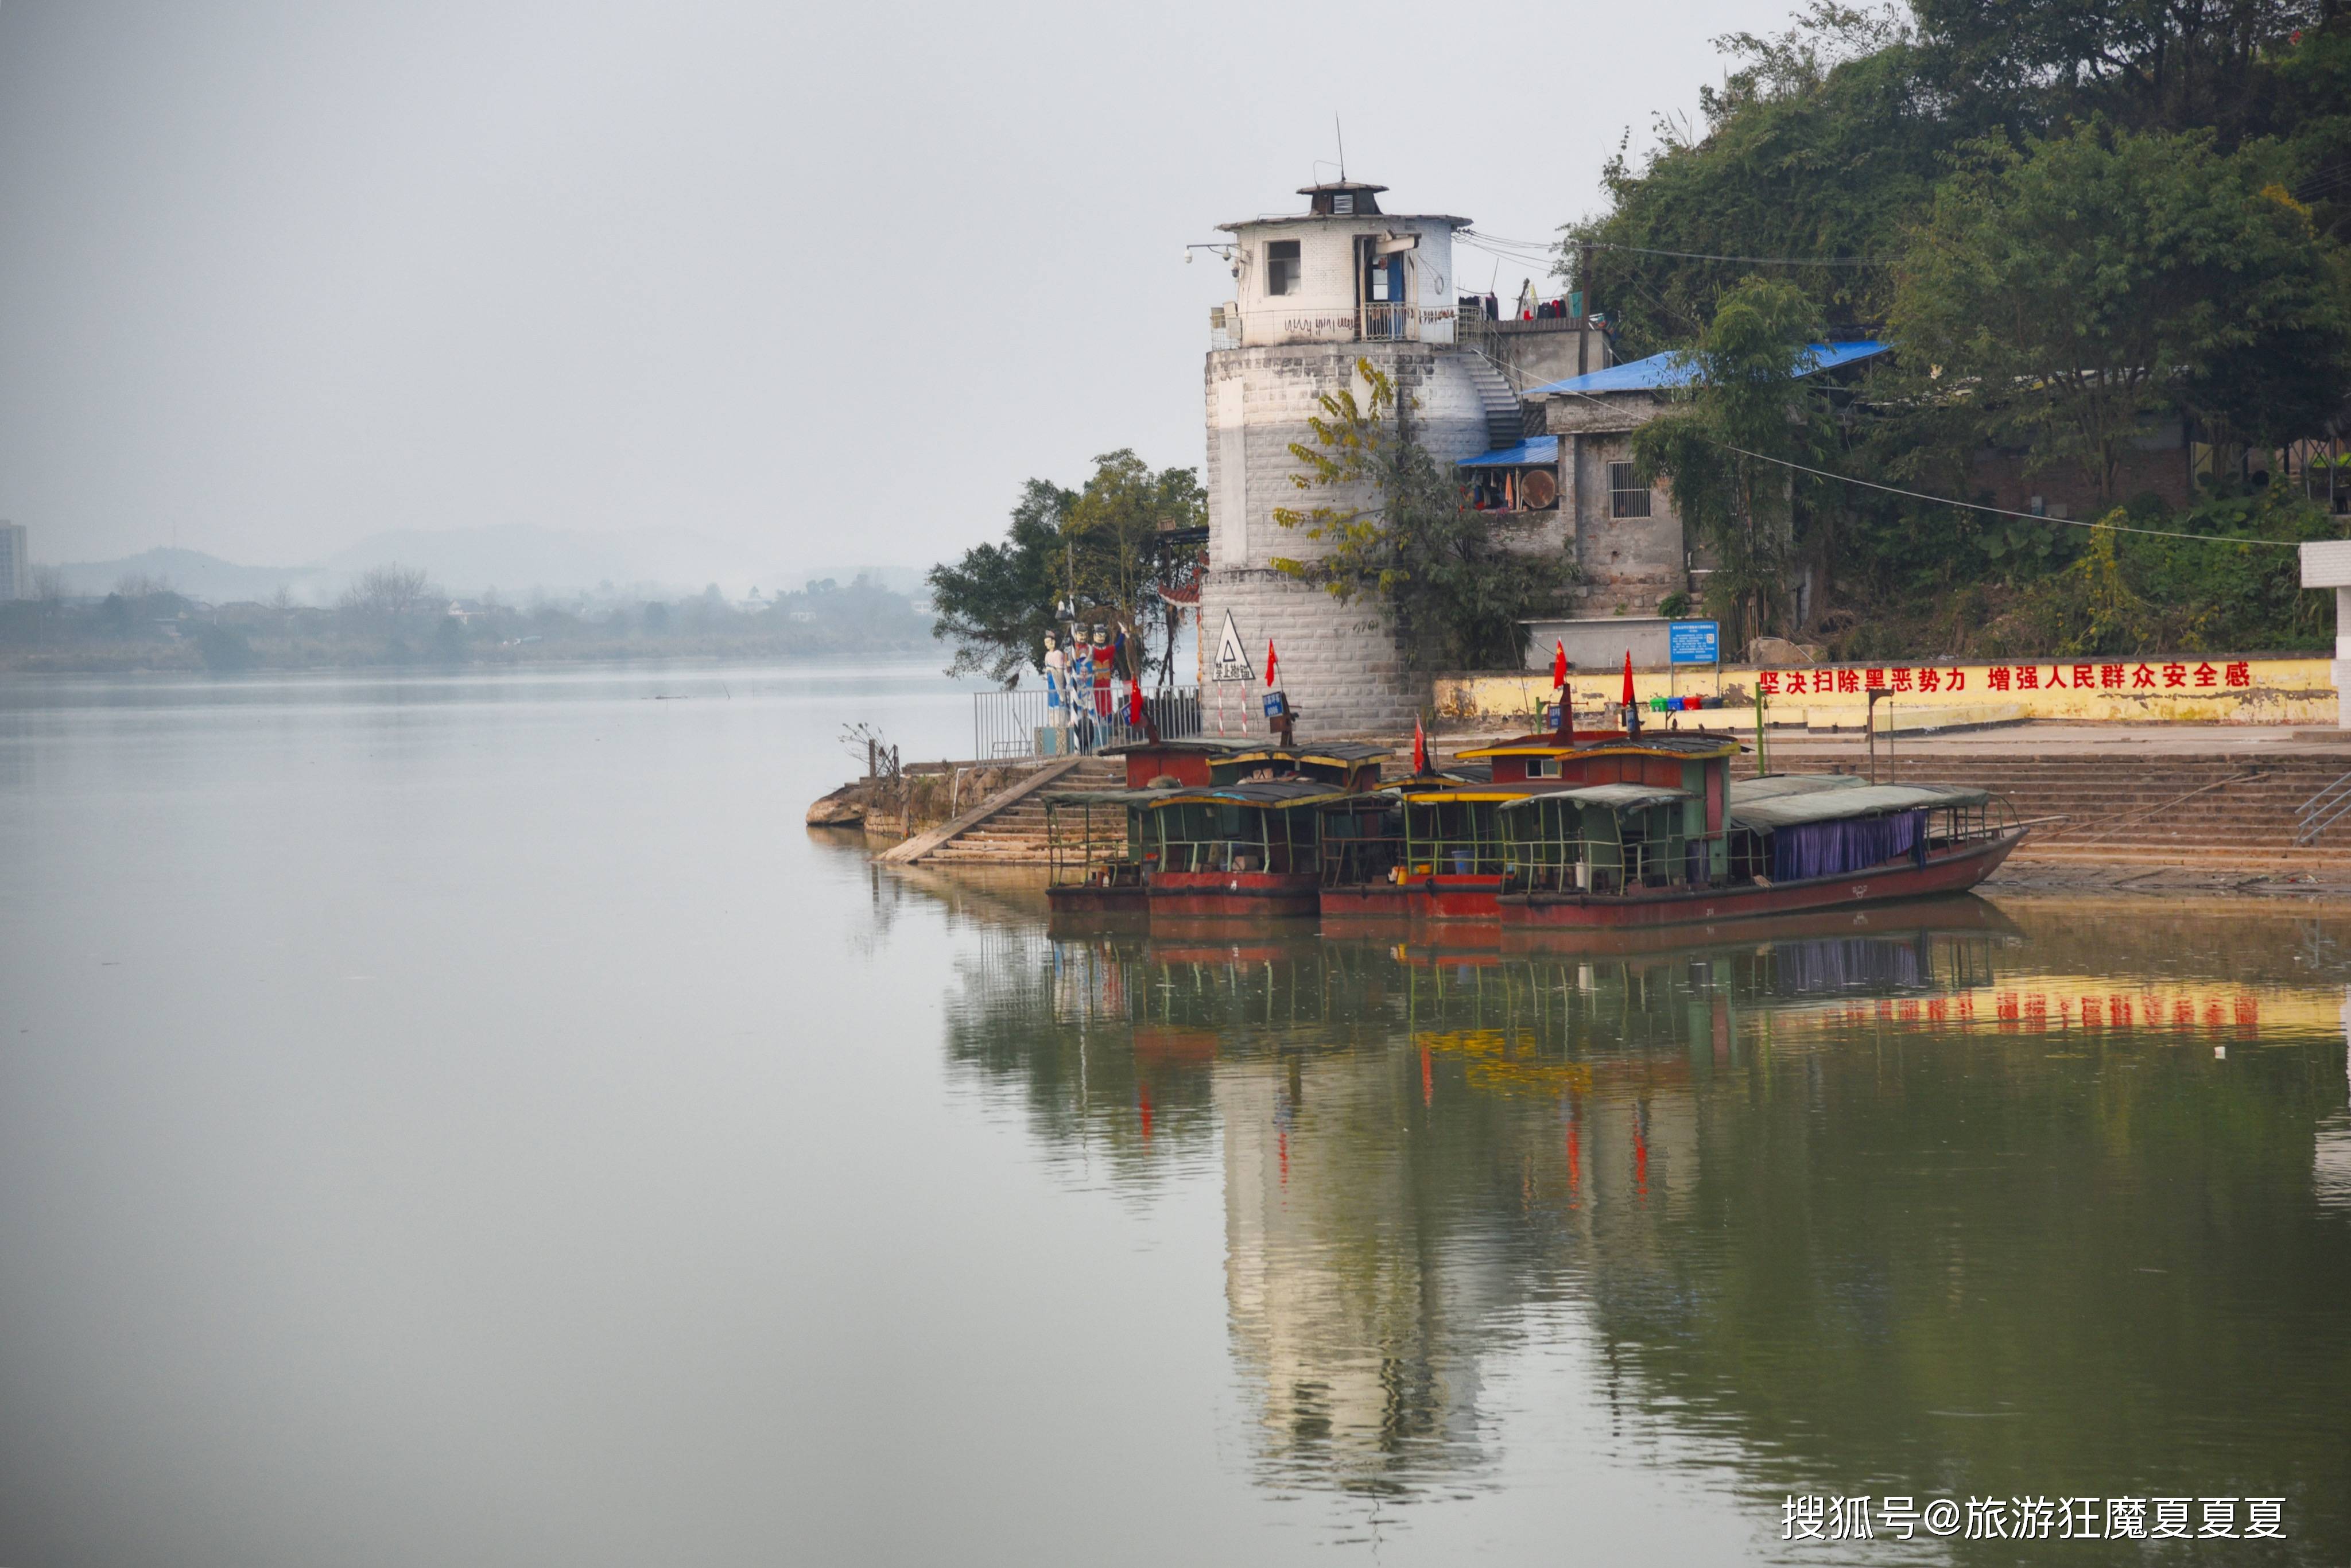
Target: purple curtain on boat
x=1831, y=849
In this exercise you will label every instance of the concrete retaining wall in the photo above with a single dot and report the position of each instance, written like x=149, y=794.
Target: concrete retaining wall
x=2189, y=688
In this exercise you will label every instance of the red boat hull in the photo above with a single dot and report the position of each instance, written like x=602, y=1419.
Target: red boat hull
x=1079, y=898
x=1444, y=897
x=1246, y=895
x=1949, y=870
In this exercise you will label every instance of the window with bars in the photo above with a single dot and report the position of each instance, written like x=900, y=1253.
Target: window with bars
x=1627, y=497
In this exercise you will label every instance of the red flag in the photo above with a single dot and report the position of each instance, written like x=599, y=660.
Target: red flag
x=1628, y=677
x=1558, y=665
x=1420, y=747
x=1134, y=700
x=1268, y=661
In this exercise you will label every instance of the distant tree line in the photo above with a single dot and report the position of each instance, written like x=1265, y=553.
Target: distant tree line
x=394, y=614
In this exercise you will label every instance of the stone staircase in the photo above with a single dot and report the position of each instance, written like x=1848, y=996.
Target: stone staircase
x=1015, y=835
x=1505, y=423
x=2170, y=810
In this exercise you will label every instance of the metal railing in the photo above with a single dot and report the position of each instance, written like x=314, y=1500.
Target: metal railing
x=2320, y=812
x=1388, y=323
x=1019, y=723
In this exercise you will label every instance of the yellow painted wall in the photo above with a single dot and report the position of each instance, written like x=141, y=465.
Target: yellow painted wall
x=2275, y=691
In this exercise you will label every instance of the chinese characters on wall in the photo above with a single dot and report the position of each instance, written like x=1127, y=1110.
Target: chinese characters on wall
x=2173, y=675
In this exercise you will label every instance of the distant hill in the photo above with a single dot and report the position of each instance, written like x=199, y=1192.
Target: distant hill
x=520, y=561
x=192, y=572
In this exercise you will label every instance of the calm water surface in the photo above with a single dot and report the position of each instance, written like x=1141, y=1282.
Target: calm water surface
x=470, y=1120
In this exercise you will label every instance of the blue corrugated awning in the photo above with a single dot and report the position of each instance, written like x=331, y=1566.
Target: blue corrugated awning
x=1535, y=449
x=1659, y=372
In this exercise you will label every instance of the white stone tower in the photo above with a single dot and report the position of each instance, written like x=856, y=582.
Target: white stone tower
x=1315, y=293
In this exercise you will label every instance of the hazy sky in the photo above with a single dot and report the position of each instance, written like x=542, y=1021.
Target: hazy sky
x=822, y=282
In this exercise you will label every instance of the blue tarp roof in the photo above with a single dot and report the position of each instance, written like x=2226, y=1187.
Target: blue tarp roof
x=1675, y=369
x=1535, y=449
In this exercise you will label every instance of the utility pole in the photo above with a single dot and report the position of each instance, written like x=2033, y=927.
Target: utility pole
x=1583, y=317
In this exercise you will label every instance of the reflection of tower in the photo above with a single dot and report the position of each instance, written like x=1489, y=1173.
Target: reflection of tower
x=1341, y=1295
x=1315, y=293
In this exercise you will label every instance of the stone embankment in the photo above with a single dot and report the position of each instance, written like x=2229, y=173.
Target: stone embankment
x=2199, y=811
x=1008, y=827
x=2219, y=811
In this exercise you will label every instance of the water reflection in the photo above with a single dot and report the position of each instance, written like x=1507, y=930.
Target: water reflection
x=1946, y=1201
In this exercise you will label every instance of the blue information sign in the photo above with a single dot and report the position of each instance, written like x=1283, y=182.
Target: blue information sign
x=1694, y=642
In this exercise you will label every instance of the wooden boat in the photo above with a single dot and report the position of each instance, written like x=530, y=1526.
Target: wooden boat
x=1443, y=850
x=1245, y=849
x=1179, y=828
x=1646, y=856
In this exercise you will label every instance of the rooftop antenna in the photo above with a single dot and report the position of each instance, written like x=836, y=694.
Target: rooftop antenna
x=1342, y=147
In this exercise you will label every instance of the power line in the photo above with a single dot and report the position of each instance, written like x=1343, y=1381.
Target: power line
x=2004, y=512
x=1973, y=505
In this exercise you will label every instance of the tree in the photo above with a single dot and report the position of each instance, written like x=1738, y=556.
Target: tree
x=1120, y=556
x=998, y=602
x=1100, y=555
x=1396, y=532
x=388, y=595
x=1726, y=444
x=2068, y=291
x=1822, y=144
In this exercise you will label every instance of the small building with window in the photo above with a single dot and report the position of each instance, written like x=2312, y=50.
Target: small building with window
x=1625, y=536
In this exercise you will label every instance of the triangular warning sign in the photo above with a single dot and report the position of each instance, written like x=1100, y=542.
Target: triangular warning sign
x=1232, y=659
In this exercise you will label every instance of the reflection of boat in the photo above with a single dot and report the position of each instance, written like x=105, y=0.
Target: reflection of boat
x=1951, y=914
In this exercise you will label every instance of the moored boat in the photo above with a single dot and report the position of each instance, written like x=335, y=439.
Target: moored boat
x=1444, y=850
x=1205, y=828
x=1583, y=859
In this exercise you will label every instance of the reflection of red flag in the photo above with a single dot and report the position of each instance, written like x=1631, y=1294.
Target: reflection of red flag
x=1420, y=747
x=1558, y=665
x=1268, y=661
x=1134, y=700
x=1628, y=677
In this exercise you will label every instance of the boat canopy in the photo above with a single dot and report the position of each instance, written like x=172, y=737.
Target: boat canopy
x=1772, y=786
x=1277, y=794
x=1615, y=797
x=1837, y=805
x=1331, y=754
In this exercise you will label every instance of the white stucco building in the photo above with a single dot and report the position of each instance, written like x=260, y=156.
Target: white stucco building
x=1313, y=293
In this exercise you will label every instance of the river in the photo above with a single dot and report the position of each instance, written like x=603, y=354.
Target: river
x=469, y=1120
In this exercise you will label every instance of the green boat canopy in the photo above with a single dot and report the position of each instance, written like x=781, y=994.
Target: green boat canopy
x=1615, y=797
x=1841, y=805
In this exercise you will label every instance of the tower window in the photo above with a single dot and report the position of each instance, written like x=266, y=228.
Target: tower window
x=1627, y=497
x=1281, y=266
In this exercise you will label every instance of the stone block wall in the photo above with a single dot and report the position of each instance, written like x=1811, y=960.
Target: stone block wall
x=1339, y=661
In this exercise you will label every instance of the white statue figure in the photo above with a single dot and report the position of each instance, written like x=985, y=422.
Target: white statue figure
x=1057, y=680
